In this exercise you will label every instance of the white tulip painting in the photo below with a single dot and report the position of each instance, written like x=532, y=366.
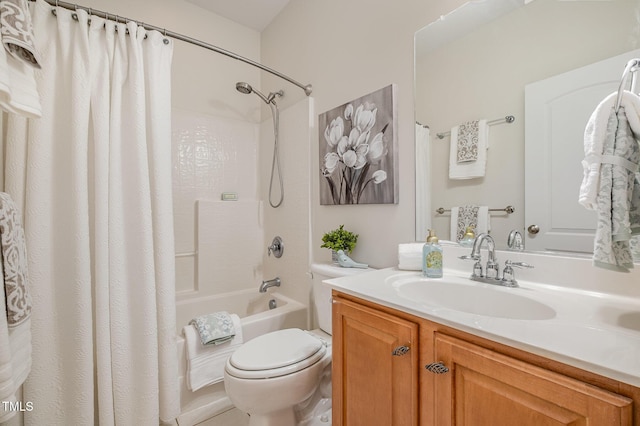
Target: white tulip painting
x=358, y=158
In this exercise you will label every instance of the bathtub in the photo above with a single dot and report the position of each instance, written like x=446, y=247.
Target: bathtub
x=256, y=319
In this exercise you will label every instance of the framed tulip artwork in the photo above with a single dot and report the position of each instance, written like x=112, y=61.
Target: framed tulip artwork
x=358, y=151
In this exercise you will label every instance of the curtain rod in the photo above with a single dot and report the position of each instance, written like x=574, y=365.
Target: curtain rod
x=307, y=88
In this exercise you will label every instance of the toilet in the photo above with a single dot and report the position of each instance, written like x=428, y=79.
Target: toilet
x=283, y=378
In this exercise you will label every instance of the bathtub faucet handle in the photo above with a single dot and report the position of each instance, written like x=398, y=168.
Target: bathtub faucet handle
x=269, y=283
x=276, y=247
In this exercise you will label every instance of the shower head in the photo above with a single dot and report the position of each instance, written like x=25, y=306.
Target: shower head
x=246, y=88
x=243, y=87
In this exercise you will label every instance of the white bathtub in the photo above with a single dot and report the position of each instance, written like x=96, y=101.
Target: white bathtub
x=256, y=319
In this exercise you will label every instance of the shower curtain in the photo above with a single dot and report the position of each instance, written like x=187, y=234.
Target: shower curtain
x=423, y=183
x=93, y=176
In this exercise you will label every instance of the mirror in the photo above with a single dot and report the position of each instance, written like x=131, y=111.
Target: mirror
x=476, y=63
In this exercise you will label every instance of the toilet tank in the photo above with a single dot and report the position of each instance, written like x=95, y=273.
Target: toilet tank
x=321, y=294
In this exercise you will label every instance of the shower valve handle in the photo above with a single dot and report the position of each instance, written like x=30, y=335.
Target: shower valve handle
x=276, y=247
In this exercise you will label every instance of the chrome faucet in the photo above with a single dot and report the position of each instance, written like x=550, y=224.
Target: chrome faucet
x=492, y=275
x=514, y=240
x=492, y=262
x=269, y=283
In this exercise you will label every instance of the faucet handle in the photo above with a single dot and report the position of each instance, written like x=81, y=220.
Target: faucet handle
x=518, y=264
x=276, y=247
x=508, y=276
x=469, y=257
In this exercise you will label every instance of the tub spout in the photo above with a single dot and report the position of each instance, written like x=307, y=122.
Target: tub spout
x=269, y=283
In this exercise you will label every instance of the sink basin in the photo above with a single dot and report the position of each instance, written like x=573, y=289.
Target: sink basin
x=474, y=299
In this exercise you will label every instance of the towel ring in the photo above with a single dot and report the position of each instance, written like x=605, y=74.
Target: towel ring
x=632, y=66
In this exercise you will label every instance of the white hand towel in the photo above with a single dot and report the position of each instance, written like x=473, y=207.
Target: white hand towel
x=475, y=216
x=464, y=142
x=410, y=256
x=18, y=89
x=205, y=364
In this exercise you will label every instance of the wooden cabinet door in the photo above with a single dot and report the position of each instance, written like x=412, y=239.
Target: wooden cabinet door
x=371, y=385
x=484, y=388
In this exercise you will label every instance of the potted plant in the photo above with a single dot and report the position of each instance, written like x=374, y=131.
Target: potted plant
x=339, y=239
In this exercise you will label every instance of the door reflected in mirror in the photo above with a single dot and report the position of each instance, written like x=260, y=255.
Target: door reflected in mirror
x=476, y=64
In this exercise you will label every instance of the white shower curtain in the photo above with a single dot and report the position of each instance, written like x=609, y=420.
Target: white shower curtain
x=423, y=181
x=94, y=178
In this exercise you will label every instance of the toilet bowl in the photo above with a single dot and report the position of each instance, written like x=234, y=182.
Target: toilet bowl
x=269, y=376
x=283, y=378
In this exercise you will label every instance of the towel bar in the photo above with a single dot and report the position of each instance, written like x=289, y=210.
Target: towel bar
x=508, y=210
x=508, y=119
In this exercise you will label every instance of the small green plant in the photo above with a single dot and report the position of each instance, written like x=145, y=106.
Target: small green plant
x=340, y=239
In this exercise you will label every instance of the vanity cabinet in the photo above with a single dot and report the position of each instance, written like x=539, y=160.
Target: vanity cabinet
x=375, y=367
x=471, y=381
x=485, y=388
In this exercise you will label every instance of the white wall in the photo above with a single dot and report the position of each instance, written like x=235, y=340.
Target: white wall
x=347, y=49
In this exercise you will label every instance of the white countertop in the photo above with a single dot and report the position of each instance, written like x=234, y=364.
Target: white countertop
x=593, y=331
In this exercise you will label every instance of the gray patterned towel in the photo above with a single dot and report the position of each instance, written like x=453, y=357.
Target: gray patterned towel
x=17, y=32
x=468, y=135
x=618, y=196
x=215, y=328
x=475, y=217
x=14, y=263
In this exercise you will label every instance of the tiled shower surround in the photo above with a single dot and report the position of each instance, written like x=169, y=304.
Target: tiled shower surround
x=210, y=155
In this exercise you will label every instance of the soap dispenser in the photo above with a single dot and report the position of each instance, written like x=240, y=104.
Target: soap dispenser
x=468, y=237
x=432, y=257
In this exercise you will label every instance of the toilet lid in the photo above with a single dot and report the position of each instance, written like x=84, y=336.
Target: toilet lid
x=275, y=350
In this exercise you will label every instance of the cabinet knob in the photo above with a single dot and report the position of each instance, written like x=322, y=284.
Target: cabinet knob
x=533, y=229
x=400, y=350
x=437, y=368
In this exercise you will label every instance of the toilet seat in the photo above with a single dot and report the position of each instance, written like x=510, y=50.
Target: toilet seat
x=276, y=354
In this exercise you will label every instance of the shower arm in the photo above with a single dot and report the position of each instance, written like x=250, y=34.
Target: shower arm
x=307, y=88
